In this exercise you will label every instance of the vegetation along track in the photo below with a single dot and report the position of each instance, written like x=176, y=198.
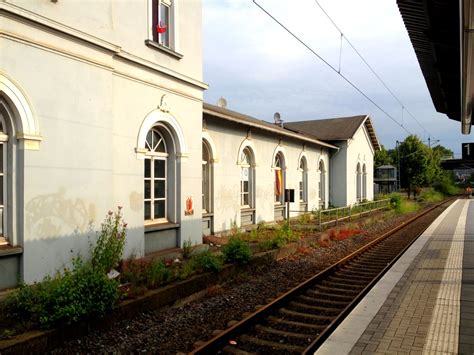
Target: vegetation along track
x=301, y=319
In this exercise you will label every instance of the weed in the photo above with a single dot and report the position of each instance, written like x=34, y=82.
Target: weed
x=187, y=249
x=214, y=290
x=207, y=262
x=237, y=251
x=108, y=249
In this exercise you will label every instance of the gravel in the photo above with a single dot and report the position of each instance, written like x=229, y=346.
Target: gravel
x=172, y=330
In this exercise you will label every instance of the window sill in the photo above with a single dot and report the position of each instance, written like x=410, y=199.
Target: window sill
x=160, y=227
x=7, y=250
x=166, y=50
x=208, y=214
x=247, y=209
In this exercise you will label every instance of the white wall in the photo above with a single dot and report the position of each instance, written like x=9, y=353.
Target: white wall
x=227, y=138
x=359, y=151
x=90, y=104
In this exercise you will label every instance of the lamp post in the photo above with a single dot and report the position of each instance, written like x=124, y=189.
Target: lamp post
x=398, y=166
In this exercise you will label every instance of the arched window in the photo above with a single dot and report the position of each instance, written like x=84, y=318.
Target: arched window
x=279, y=167
x=303, y=170
x=322, y=184
x=159, y=171
x=364, y=182
x=206, y=178
x=247, y=179
x=3, y=181
x=358, y=183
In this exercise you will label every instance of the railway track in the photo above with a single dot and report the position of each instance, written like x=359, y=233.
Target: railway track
x=301, y=319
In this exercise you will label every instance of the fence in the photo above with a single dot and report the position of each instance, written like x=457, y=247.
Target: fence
x=334, y=215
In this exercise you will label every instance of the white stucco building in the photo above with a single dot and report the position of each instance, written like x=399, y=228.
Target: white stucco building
x=102, y=105
x=351, y=170
x=98, y=108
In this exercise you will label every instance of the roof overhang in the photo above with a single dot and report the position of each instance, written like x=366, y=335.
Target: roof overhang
x=441, y=32
x=452, y=164
x=373, y=137
x=252, y=122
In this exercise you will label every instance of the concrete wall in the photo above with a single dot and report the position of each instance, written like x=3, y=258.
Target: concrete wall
x=229, y=139
x=360, y=151
x=93, y=86
x=343, y=168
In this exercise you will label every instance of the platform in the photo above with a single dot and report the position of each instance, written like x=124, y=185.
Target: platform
x=425, y=303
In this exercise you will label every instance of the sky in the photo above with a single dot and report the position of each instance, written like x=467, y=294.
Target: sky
x=260, y=69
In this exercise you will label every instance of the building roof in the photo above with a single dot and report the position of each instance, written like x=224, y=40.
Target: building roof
x=336, y=129
x=233, y=116
x=442, y=35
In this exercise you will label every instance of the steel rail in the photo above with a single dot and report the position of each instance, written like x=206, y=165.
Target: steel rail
x=221, y=340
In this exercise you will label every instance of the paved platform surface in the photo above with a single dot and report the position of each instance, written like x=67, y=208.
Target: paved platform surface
x=425, y=303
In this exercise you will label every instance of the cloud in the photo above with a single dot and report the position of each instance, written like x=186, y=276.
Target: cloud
x=259, y=68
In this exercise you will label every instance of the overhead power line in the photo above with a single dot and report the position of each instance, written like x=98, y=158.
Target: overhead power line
x=371, y=68
x=330, y=66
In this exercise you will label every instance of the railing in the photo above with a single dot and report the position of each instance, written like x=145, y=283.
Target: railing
x=335, y=215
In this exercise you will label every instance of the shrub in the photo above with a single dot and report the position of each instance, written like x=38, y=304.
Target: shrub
x=407, y=207
x=81, y=293
x=187, y=248
x=207, y=262
x=431, y=196
x=142, y=273
x=395, y=200
x=236, y=251
x=108, y=250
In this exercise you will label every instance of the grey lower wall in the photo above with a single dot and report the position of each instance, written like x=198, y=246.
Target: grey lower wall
x=9, y=270
x=160, y=240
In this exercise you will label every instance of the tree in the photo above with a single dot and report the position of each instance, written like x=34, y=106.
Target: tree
x=382, y=157
x=416, y=164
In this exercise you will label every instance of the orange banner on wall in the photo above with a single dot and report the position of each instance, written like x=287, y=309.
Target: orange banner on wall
x=278, y=182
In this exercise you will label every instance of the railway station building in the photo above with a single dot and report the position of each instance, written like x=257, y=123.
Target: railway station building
x=102, y=106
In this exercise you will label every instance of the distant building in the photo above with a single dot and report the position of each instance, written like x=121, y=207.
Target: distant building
x=352, y=166
x=385, y=179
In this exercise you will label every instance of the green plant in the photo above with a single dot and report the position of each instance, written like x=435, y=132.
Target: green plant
x=236, y=251
x=407, y=207
x=207, y=262
x=143, y=273
x=395, y=200
x=81, y=293
x=431, y=196
x=108, y=249
x=187, y=248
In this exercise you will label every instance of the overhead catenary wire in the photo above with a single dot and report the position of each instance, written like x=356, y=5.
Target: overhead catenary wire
x=330, y=66
x=372, y=69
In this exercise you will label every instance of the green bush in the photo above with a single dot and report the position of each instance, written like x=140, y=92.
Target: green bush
x=81, y=293
x=143, y=273
x=431, y=196
x=236, y=251
x=395, y=200
x=108, y=249
x=207, y=262
x=407, y=207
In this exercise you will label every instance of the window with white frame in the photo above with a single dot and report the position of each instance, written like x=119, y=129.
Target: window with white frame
x=3, y=182
x=322, y=183
x=279, y=168
x=206, y=178
x=163, y=22
x=246, y=179
x=358, y=183
x=156, y=177
x=303, y=180
x=364, y=182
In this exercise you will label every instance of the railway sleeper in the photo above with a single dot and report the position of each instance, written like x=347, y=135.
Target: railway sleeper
x=368, y=265
x=346, y=280
x=330, y=296
x=358, y=274
x=267, y=346
x=230, y=349
x=326, y=311
x=337, y=289
x=345, y=285
x=312, y=318
x=283, y=336
x=363, y=270
x=377, y=257
x=286, y=324
x=322, y=302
